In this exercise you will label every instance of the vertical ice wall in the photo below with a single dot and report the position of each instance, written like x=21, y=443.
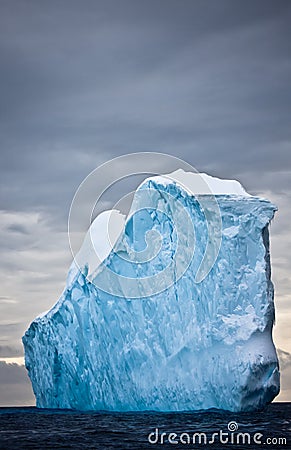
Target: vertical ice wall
x=193, y=345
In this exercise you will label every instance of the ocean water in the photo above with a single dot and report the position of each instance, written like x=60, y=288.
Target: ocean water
x=32, y=428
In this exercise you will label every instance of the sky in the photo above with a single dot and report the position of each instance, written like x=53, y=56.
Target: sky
x=84, y=81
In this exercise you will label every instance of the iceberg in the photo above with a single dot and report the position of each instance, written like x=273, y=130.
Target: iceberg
x=172, y=311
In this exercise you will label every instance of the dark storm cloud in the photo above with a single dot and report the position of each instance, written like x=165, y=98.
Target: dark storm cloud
x=4, y=327
x=17, y=228
x=11, y=373
x=101, y=78
x=7, y=351
x=15, y=387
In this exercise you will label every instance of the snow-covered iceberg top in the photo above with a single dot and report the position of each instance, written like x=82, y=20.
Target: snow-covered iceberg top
x=201, y=183
x=99, y=241
x=109, y=225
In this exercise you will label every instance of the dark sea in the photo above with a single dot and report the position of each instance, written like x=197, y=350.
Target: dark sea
x=32, y=428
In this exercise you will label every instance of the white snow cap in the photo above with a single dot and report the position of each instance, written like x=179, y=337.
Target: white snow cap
x=201, y=183
x=100, y=239
x=108, y=226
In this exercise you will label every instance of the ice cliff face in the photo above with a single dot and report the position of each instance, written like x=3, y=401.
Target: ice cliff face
x=122, y=338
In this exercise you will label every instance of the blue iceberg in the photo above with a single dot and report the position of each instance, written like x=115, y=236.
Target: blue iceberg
x=175, y=312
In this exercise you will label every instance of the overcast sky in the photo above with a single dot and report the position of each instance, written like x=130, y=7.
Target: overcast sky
x=84, y=81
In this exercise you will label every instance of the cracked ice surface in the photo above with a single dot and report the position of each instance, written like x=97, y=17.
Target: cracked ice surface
x=191, y=346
